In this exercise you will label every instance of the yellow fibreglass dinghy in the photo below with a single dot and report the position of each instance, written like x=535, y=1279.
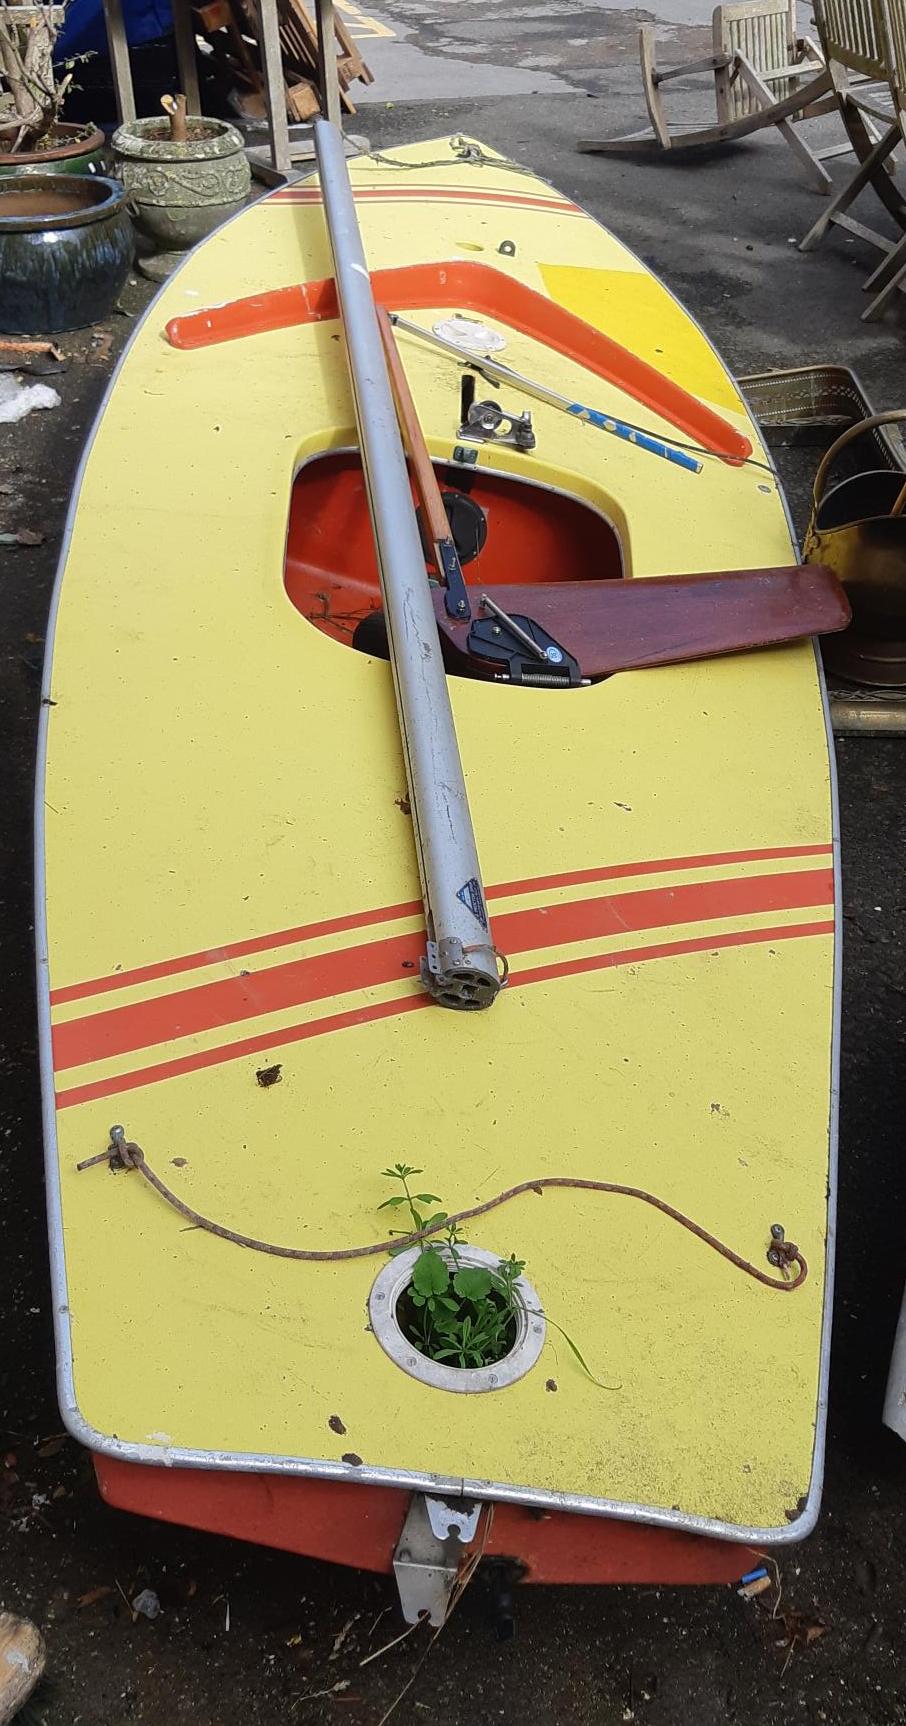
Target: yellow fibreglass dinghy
x=273, y=865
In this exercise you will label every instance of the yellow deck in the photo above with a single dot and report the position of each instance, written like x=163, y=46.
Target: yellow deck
x=218, y=772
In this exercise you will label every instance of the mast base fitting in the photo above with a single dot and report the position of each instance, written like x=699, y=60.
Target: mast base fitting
x=455, y=976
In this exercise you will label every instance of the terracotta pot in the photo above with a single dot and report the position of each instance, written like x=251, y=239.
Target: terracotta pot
x=66, y=244
x=76, y=150
x=179, y=193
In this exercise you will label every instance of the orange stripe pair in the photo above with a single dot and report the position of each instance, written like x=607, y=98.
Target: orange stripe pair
x=119, y=1030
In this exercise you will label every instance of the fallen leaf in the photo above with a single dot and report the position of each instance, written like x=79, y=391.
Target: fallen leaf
x=93, y=1595
x=341, y=1636
x=335, y=1690
x=52, y=1446
x=799, y=1632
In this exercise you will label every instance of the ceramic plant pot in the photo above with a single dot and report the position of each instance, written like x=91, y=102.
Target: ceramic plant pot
x=180, y=192
x=66, y=244
x=72, y=150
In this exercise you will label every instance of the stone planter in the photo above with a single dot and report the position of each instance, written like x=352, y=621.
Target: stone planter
x=73, y=150
x=66, y=244
x=180, y=192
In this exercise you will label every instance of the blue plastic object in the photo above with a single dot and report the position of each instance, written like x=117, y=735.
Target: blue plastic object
x=631, y=434
x=83, y=28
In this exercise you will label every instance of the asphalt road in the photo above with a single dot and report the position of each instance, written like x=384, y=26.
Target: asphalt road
x=426, y=50
x=260, y=1638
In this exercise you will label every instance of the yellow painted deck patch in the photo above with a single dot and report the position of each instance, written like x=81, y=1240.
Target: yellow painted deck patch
x=637, y=310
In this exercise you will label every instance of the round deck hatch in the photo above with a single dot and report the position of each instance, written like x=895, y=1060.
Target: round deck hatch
x=392, y=1282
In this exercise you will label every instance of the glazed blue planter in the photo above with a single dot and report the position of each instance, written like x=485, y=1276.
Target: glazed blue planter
x=66, y=246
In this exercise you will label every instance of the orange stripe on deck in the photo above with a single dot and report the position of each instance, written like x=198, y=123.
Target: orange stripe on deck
x=389, y=913
x=119, y=1030
x=233, y=950
x=409, y=1003
x=432, y=194
x=491, y=292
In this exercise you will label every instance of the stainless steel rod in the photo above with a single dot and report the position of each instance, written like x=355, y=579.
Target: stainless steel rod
x=460, y=968
x=492, y=368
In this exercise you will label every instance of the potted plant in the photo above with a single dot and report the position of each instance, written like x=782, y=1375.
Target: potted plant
x=66, y=247
x=184, y=174
x=66, y=242
x=33, y=137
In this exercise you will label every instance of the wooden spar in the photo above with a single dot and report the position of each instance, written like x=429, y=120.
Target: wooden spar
x=460, y=968
x=446, y=557
x=425, y=478
x=328, y=77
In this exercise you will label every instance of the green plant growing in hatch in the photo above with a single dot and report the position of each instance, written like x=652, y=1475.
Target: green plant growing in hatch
x=461, y=1314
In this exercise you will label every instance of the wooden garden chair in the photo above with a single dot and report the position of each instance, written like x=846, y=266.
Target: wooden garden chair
x=765, y=74
x=855, y=38
x=890, y=274
x=868, y=37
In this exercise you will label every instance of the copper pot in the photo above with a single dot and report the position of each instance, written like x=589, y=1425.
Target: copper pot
x=858, y=529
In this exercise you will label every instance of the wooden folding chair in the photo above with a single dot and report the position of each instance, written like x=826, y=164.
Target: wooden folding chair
x=765, y=74
x=858, y=45
x=890, y=274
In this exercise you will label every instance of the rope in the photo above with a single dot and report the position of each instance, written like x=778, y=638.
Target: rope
x=122, y=1153
x=462, y=151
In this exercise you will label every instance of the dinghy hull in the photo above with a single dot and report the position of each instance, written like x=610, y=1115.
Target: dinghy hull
x=230, y=929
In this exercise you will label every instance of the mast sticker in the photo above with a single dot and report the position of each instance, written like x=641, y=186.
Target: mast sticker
x=471, y=896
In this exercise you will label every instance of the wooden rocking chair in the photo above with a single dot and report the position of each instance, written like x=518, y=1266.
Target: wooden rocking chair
x=764, y=75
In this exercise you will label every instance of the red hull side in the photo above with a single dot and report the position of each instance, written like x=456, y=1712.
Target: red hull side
x=360, y=1526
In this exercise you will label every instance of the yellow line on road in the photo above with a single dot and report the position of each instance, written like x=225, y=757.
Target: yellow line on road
x=362, y=24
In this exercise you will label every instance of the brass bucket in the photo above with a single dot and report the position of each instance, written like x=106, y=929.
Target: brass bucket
x=858, y=529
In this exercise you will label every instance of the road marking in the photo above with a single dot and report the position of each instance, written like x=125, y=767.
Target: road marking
x=363, y=25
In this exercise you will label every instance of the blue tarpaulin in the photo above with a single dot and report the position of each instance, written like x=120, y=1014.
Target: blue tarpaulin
x=84, y=33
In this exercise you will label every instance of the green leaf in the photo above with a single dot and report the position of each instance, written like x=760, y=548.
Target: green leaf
x=430, y=1275
x=472, y=1283
x=391, y=1204
x=429, y=1199
x=579, y=1356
